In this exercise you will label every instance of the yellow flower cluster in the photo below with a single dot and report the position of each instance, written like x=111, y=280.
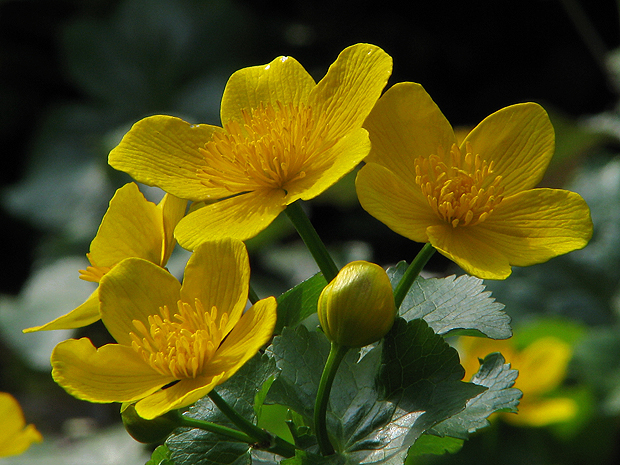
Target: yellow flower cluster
x=283, y=138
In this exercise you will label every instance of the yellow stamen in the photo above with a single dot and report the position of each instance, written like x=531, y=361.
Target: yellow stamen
x=93, y=273
x=461, y=189
x=271, y=148
x=180, y=346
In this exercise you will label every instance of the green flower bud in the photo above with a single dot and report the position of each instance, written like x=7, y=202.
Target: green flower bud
x=148, y=431
x=357, y=307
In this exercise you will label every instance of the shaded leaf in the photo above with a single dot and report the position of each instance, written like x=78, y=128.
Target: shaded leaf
x=428, y=444
x=452, y=304
x=298, y=303
x=499, y=378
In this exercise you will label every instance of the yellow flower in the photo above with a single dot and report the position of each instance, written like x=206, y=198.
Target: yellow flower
x=542, y=367
x=175, y=342
x=132, y=227
x=283, y=138
x=474, y=202
x=15, y=436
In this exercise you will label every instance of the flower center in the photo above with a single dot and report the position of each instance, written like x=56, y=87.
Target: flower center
x=93, y=273
x=271, y=148
x=180, y=346
x=463, y=192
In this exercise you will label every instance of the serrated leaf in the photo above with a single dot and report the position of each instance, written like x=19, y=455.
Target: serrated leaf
x=499, y=378
x=160, y=456
x=298, y=303
x=453, y=304
x=373, y=422
x=195, y=446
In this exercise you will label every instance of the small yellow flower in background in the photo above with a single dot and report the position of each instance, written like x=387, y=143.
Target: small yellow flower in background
x=542, y=368
x=132, y=227
x=474, y=202
x=357, y=307
x=15, y=436
x=175, y=342
x=284, y=138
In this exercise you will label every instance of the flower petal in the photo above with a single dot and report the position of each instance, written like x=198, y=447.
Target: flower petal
x=218, y=273
x=283, y=80
x=406, y=124
x=163, y=151
x=81, y=316
x=253, y=331
x=112, y=373
x=393, y=202
x=536, y=225
x=519, y=140
x=473, y=254
x=16, y=437
x=351, y=87
x=542, y=365
x=240, y=217
x=132, y=227
x=185, y=392
x=173, y=209
x=134, y=290
x=325, y=171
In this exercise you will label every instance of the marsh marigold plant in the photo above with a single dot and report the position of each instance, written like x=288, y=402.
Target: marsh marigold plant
x=474, y=202
x=132, y=227
x=283, y=138
x=175, y=342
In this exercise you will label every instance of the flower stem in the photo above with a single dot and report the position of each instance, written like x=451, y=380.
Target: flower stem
x=312, y=240
x=258, y=436
x=214, y=428
x=253, y=296
x=336, y=354
x=412, y=273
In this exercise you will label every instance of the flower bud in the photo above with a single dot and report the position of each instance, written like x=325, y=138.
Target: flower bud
x=357, y=307
x=148, y=431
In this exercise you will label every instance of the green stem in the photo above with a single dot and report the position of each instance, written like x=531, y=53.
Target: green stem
x=312, y=240
x=253, y=296
x=214, y=428
x=336, y=354
x=258, y=436
x=412, y=273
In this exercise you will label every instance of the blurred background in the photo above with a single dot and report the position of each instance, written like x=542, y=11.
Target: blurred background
x=76, y=74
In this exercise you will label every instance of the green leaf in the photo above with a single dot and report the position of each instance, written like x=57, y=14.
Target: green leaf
x=161, y=456
x=383, y=398
x=499, y=378
x=453, y=305
x=298, y=303
x=196, y=446
x=428, y=444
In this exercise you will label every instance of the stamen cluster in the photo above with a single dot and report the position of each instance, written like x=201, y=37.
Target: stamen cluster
x=463, y=192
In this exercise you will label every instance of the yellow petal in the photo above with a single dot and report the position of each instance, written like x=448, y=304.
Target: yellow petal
x=535, y=225
x=542, y=365
x=16, y=437
x=474, y=255
x=112, y=373
x=81, y=316
x=218, y=273
x=330, y=167
x=134, y=290
x=406, y=124
x=173, y=209
x=252, y=332
x=283, y=80
x=544, y=412
x=132, y=227
x=163, y=151
x=351, y=87
x=519, y=140
x=393, y=202
x=240, y=217
x=185, y=392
